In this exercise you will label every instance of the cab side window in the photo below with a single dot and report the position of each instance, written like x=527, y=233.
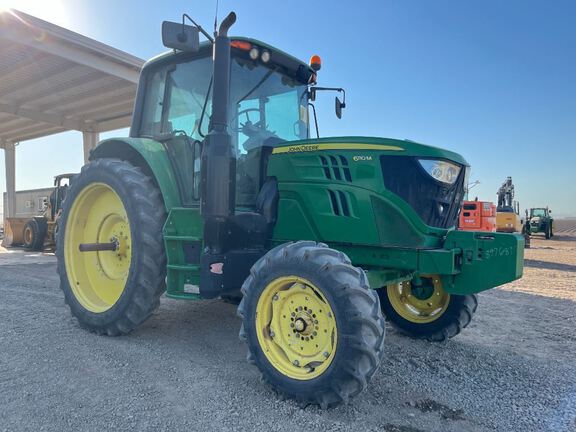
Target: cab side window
x=176, y=111
x=178, y=98
x=153, y=101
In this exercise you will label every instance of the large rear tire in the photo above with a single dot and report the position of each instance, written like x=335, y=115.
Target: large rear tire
x=112, y=292
x=427, y=311
x=312, y=324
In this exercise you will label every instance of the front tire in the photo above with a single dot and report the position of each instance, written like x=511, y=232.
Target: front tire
x=312, y=324
x=35, y=234
x=112, y=292
x=427, y=311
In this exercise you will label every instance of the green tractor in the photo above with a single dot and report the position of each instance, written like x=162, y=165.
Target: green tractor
x=541, y=221
x=220, y=192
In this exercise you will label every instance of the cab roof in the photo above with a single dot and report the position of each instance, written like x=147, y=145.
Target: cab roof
x=206, y=46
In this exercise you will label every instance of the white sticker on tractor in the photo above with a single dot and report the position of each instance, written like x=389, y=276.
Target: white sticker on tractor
x=362, y=158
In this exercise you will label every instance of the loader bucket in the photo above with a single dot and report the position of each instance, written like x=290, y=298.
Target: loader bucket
x=14, y=231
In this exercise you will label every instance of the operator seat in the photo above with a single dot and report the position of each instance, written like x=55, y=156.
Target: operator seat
x=252, y=229
x=55, y=204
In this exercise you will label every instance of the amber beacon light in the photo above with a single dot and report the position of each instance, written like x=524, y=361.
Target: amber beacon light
x=315, y=63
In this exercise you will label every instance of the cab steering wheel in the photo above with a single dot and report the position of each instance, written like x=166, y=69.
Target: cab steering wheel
x=244, y=111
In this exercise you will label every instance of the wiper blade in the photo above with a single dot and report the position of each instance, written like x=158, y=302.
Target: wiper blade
x=257, y=86
x=204, y=108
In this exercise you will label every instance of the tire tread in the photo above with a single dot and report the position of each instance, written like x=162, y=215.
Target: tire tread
x=363, y=315
x=150, y=279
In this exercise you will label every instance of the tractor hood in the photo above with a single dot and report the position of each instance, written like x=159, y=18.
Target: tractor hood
x=412, y=189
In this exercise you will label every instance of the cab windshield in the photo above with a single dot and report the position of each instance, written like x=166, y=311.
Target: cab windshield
x=538, y=212
x=264, y=103
x=266, y=106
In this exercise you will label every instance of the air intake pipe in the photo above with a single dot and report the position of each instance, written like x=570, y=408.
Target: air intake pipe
x=218, y=169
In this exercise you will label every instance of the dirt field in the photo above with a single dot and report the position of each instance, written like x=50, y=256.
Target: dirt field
x=565, y=226
x=513, y=369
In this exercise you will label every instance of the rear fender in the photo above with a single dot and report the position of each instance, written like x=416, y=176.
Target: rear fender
x=148, y=155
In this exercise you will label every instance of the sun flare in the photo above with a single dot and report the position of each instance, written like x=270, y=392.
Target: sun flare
x=48, y=10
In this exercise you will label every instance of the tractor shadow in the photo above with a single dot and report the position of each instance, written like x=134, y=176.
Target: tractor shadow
x=205, y=330
x=550, y=265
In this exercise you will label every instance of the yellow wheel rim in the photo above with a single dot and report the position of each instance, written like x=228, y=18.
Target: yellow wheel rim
x=296, y=328
x=97, y=279
x=28, y=235
x=417, y=305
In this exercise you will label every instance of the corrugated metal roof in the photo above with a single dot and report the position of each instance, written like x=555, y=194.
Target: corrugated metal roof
x=53, y=80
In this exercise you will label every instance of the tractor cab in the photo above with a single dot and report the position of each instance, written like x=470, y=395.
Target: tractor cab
x=61, y=184
x=268, y=105
x=538, y=213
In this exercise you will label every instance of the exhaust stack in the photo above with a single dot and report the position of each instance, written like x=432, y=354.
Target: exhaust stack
x=218, y=180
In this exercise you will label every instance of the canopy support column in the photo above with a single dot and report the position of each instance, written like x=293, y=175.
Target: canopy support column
x=90, y=141
x=10, y=168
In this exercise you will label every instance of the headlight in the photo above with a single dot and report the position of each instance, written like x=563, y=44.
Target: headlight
x=442, y=171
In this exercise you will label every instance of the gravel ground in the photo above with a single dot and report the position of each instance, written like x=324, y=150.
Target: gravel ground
x=513, y=369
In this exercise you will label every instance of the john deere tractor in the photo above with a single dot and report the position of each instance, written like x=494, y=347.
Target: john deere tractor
x=221, y=192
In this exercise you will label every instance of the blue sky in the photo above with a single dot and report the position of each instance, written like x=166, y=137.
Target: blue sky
x=493, y=80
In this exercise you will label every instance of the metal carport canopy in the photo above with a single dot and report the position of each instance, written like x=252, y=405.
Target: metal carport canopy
x=54, y=80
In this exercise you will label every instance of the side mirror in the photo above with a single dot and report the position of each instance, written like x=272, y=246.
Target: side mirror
x=180, y=36
x=549, y=211
x=339, y=106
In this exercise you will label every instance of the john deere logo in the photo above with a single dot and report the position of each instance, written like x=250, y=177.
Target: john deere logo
x=362, y=158
x=302, y=148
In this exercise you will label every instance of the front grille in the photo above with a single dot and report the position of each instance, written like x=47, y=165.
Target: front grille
x=436, y=203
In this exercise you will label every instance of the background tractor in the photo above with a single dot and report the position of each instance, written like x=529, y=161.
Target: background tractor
x=540, y=221
x=220, y=192
x=39, y=232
